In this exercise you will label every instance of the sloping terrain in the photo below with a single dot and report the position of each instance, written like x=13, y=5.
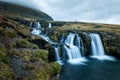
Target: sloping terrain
x=20, y=58
x=14, y=10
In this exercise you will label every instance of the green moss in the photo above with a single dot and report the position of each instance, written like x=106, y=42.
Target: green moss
x=6, y=72
x=24, y=42
x=40, y=74
x=25, y=30
x=41, y=54
x=27, y=55
x=57, y=35
x=7, y=33
x=12, y=44
x=29, y=67
x=10, y=34
x=3, y=56
x=34, y=46
x=56, y=67
x=14, y=52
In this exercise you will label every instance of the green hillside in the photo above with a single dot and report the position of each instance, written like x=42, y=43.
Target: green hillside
x=13, y=10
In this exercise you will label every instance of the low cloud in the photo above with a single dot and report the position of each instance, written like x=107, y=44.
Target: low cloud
x=103, y=11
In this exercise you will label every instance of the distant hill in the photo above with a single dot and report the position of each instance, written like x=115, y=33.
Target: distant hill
x=14, y=10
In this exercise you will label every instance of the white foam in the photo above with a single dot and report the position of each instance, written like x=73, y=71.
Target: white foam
x=77, y=61
x=36, y=32
x=104, y=57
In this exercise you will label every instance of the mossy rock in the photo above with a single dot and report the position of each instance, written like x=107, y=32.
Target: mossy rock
x=56, y=35
x=41, y=54
x=8, y=33
x=13, y=52
x=27, y=55
x=56, y=67
x=6, y=72
x=11, y=44
x=24, y=42
x=39, y=74
x=27, y=44
x=3, y=55
x=29, y=67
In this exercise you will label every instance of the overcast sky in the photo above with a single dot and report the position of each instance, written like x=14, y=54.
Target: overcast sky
x=101, y=11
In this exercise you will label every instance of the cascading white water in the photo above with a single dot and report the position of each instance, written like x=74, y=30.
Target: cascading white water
x=56, y=48
x=49, y=25
x=62, y=38
x=73, y=45
x=38, y=25
x=31, y=25
x=73, y=52
x=36, y=28
x=73, y=48
x=80, y=44
x=97, y=48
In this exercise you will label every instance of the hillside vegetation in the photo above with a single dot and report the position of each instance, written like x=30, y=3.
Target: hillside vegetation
x=13, y=10
x=20, y=57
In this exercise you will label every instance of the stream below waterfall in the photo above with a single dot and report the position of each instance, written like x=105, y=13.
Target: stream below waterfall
x=93, y=69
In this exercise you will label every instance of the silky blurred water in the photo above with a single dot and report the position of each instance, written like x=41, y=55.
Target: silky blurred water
x=93, y=69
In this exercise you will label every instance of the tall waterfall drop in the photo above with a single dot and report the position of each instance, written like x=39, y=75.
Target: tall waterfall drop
x=56, y=48
x=72, y=46
x=49, y=25
x=97, y=48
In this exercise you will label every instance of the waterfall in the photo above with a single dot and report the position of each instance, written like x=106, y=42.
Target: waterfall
x=62, y=38
x=97, y=48
x=72, y=46
x=56, y=48
x=36, y=26
x=49, y=25
x=31, y=25
x=73, y=52
x=79, y=43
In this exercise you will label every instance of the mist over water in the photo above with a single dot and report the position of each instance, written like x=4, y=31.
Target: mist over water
x=26, y=3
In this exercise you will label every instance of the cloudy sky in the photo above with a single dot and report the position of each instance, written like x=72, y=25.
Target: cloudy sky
x=101, y=11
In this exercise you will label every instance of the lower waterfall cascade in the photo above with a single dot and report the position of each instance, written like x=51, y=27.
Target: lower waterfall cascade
x=56, y=48
x=74, y=46
x=97, y=48
x=96, y=45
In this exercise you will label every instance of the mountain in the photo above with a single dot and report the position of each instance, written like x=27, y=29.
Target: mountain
x=14, y=10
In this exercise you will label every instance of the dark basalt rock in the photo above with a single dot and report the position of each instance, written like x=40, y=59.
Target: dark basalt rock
x=111, y=43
